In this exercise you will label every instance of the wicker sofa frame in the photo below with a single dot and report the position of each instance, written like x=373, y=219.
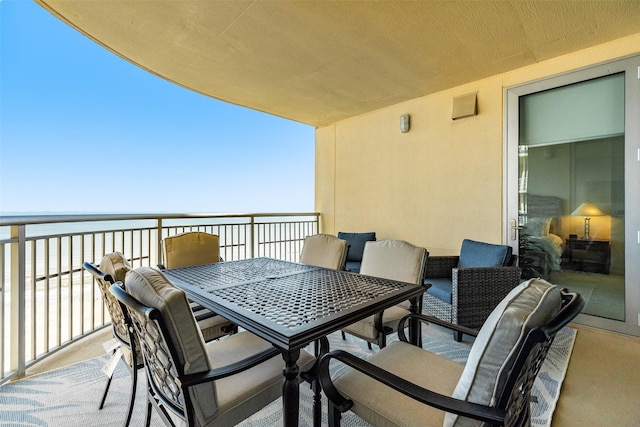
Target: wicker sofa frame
x=475, y=291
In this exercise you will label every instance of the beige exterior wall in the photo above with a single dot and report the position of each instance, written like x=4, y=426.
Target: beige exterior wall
x=443, y=180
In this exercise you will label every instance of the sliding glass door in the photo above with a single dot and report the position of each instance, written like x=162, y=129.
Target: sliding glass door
x=572, y=185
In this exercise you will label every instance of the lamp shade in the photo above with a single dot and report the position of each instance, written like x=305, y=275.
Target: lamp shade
x=587, y=209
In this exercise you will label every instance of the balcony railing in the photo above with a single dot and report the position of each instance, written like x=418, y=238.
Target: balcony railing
x=47, y=300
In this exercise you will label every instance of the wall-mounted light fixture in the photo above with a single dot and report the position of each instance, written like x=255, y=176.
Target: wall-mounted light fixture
x=404, y=123
x=464, y=106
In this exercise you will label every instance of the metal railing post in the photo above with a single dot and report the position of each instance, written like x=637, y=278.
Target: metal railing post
x=17, y=285
x=158, y=245
x=253, y=236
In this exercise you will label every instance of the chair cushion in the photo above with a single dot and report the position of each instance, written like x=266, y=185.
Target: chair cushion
x=527, y=306
x=353, y=266
x=366, y=328
x=324, y=250
x=441, y=289
x=394, y=260
x=356, y=243
x=382, y=406
x=153, y=289
x=191, y=248
x=249, y=391
x=480, y=254
x=115, y=265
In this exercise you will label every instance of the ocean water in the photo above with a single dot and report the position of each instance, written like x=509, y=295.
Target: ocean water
x=56, y=248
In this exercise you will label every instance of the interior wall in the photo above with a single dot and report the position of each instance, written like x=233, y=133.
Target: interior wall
x=440, y=182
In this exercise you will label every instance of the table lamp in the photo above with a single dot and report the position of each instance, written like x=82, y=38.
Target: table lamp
x=587, y=210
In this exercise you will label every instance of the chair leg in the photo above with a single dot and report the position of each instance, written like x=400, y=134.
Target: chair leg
x=369, y=345
x=334, y=415
x=457, y=336
x=344, y=337
x=382, y=340
x=104, y=395
x=134, y=384
x=147, y=418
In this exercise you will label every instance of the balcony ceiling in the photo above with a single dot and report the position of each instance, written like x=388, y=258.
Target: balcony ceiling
x=318, y=62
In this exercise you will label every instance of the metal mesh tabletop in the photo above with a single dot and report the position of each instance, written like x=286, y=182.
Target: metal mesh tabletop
x=234, y=272
x=288, y=303
x=295, y=300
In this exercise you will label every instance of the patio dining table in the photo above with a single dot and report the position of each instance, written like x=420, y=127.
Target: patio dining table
x=292, y=305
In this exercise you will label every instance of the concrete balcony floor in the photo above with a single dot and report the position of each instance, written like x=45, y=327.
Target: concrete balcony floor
x=83, y=349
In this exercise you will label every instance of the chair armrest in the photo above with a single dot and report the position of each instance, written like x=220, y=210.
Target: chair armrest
x=431, y=319
x=481, y=280
x=440, y=266
x=377, y=318
x=189, y=380
x=428, y=397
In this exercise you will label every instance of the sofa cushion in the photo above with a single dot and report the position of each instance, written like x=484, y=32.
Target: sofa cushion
x=527, y=306
x=353, y=266
x=356, y=243
x=480, y=254
x=441, y=289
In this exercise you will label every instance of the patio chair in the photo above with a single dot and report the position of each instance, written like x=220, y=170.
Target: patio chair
x=114, y=267
x=466, y=288
x=190, y=249
x=219, y=383
x=395, y=260
x=324, y=250
x=406, y=385
x=356, y=248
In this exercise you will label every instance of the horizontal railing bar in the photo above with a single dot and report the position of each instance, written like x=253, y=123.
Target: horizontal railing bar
x=6, y=220
x=86, y=233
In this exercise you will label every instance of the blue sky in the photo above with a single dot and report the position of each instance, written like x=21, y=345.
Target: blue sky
x=82, y=130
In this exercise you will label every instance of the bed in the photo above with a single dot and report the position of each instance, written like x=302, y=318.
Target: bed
x=541, y=246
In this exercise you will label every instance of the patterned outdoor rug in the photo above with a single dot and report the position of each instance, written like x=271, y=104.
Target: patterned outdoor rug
x=69, y=396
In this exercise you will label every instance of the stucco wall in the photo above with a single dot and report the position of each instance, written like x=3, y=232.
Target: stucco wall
x=443, y=180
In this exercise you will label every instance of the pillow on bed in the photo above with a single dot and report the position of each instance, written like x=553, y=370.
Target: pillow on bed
x=537, y=226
